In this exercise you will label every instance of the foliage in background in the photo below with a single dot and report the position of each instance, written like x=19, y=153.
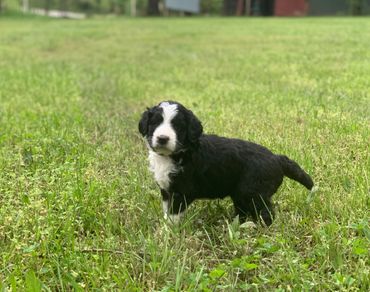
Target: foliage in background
x=359, y=7
x=212, y=7
x=123, y=7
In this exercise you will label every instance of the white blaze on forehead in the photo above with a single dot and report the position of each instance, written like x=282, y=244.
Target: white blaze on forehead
x=169, y=111
x=165, y=128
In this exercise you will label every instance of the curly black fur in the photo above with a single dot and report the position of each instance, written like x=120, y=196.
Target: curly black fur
x=211, y=167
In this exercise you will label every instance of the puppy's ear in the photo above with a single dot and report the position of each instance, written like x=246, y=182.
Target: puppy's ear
x=195, y=128
x=144, y=122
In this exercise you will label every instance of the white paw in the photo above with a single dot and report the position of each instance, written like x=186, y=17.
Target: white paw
x=175, y=218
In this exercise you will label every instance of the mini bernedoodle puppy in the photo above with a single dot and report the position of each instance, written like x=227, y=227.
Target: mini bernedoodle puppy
x=190, y=165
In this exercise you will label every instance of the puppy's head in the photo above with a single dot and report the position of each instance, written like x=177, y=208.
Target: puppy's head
x=169, y=128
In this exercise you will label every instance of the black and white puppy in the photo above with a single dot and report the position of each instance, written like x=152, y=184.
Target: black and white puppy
x=190, y=165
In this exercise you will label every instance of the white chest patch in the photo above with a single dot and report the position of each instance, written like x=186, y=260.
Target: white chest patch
x=162, y=167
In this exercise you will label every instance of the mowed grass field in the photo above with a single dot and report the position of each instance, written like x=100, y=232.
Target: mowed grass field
x=79, y=209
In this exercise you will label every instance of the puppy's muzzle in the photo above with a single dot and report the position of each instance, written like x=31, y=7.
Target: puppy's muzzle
x=162, y=140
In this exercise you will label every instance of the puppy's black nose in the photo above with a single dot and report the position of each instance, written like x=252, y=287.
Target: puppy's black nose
x=162, y=139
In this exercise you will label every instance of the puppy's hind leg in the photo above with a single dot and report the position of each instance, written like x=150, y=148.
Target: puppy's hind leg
x=258, y=207
x=262, y=209
x=241, y=208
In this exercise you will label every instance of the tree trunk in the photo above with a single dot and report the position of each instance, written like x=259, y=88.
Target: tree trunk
x=248, y=7
x=47, y=6
x=153, y=8
x=240, y=8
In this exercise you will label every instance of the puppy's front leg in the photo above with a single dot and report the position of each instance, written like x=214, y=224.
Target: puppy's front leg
x=174, y=206
x=166, y=201
x=177, y=207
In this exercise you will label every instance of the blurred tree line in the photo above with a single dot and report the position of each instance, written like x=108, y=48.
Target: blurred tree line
x=136, y=7
x=147, y=7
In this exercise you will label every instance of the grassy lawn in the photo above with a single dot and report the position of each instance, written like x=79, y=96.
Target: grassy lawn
x=78, y=206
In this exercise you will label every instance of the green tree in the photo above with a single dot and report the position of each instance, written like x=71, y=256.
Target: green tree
x=356, y=7
x=63, y=5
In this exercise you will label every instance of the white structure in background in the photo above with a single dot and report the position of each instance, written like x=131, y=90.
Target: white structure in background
x=58, y=13
x=192, y=6
x=51, y=13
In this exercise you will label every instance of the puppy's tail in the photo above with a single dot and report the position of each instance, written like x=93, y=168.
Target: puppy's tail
x=292, y=170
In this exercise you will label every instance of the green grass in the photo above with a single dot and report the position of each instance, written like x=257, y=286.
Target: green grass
x=78, y=206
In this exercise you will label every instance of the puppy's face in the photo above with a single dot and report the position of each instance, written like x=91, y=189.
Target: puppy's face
x=169, y=127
